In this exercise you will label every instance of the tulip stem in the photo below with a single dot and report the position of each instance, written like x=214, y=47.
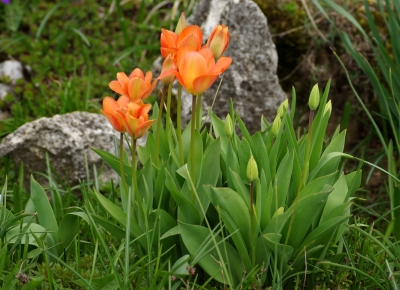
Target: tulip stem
x=179, y=123
x=121, y=166
x=198, y=112
x=168, y=121
x=192, y=140
x=159, y=121
x=253, y=252
x=134, y=179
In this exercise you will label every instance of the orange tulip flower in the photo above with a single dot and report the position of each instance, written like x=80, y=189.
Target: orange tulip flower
x=218, y=40
x=137, y=86
x=169, y=63
x=171, y=42
x=197, y=71
x=112, y=112
x=137, y=119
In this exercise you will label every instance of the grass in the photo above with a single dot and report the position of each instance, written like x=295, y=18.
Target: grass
x=74, y=50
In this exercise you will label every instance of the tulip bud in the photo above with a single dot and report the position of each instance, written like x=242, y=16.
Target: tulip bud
x=218, y=40
x=283, y=108
x=279, y=211
x=276, y=125
x=181, y=24
x=328, y=108
x=313, y=101
x=168, y=64
x=252, y=169
x=228, y=126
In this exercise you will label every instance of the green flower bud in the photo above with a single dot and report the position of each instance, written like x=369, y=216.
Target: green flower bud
x=276, y=125
x=181, y=24
x=279, y=211
x=228, y=126
x=328, y=108
x=252, y=169
x=313, y=101
x=283, y=108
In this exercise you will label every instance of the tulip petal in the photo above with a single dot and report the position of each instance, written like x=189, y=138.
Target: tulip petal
x=123, y=80
x=208, y=56
x=123, y=101
x=187, y=31
x=222, y=64
x=168, y=38
x=148, y=77
x=143, y=128
x=203, y=83
x=182, y=51
x=137, y=72
x=110, y=105
x=192, y=66
x=172, y=72
x=116, y=87
x=146, y=93
x=116, y=121
x=135, y=87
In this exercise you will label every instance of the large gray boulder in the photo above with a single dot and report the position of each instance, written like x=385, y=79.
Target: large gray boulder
x=251, y=81
x=66, y=138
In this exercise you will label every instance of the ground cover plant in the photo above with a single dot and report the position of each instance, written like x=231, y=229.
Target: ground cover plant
x=209, y=206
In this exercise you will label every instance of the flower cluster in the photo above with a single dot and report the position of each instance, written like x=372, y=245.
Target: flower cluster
x=194, y=65
x=129, y=113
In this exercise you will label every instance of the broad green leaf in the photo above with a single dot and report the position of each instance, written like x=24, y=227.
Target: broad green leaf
x=327, y=164
x=43, y=208
x=281, y=251
x=120, y=216
x=234, y=206
x=210, y=172
x=186, y=210
x=113, y=162
x=304, y=212
x=219, y=130
x=335, y=198
x=113, y=228
x=283, y=178
x=181, y=266
x=240, y=187
x=69, y=227
x=321, y=235
x=318, y=184
x=193, y=237
x=261, y=154
x=15, y=234
x=198, y=157
x=160, y=222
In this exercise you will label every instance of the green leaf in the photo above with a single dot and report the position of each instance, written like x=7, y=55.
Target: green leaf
x=335, y=198
x=283, y=178
x=113, y=162
x=69, y=227
x=43, y=208
x=186, y=210
x=120, y=217
x=304, y=212
x=234, y=206
x=193, y=237
x=210, y=172
x=109, y=226
x=282, y=252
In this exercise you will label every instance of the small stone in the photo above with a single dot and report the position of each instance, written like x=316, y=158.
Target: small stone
x=13, y=69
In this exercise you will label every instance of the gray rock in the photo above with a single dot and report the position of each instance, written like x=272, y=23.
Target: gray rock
x=251, y=80
x=66, y=138
x=13, y=69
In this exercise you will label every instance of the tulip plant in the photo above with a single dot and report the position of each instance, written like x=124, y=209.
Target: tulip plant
x=236, y=206
x=214, y=202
